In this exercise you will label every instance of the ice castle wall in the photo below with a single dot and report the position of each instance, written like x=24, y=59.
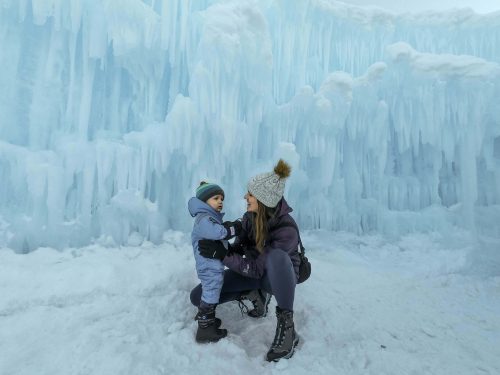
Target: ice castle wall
x=111, y=112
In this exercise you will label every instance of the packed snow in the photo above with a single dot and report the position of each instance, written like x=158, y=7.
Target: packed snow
x=418, y=305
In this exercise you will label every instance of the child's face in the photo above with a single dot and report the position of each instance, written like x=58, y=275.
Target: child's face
x=252, y=205
x=216, y=202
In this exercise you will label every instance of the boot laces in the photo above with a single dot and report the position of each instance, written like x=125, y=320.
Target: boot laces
x=281, y=330
x=243, y=308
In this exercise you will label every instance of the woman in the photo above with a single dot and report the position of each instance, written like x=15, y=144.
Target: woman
x=264, y=258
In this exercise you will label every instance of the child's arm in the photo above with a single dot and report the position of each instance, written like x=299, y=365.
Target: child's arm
x=209, y=229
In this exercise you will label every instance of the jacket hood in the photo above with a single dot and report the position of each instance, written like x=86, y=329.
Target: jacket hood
x=283, y=208
x=196, y=206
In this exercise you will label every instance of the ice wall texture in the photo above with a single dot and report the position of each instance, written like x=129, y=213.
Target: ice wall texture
x=111, y=112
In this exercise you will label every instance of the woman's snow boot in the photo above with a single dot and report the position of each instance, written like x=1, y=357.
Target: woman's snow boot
x=285, y=339
x=260, y=300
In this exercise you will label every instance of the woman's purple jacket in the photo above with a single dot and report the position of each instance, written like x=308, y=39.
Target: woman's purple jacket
x=280, y=236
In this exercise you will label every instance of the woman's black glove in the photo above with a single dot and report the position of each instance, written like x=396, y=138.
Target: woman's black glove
x=236, y=248
x=212, y=249
x=234, y=228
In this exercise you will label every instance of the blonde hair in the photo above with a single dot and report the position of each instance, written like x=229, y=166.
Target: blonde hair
x=260, y=224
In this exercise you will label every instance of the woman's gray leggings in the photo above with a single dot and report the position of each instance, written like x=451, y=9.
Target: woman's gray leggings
x=279, y=280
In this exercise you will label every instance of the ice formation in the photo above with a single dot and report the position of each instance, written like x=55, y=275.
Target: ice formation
x=111, y=112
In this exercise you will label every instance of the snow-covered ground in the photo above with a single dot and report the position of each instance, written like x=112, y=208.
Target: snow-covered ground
x=424, y=304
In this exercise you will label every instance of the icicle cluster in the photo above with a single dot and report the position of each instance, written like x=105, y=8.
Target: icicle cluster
x=111, y=112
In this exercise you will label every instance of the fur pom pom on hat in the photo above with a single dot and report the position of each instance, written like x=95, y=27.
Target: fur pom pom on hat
x=269, y=187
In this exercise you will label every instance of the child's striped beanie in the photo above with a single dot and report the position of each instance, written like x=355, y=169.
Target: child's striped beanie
x=206, y=191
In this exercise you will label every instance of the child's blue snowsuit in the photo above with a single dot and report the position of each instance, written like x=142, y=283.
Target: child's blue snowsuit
x=207, y=225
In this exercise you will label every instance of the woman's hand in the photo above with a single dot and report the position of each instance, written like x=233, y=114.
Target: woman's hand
x=236, y=248
x=212, y=249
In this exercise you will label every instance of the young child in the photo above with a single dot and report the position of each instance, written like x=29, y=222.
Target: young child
x=206, y=208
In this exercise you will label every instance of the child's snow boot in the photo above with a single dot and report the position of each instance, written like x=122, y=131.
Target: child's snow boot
x=207, y=326
x=285, y=339
x=218, y=322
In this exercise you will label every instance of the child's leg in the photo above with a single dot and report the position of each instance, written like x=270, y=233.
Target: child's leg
x=211, y=274
x=233, y=285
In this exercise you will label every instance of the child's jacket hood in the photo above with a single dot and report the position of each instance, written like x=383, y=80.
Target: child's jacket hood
x=196, y=206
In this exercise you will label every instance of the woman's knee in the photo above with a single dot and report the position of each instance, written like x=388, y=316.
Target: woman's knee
x=195, y=295
x=277, y=258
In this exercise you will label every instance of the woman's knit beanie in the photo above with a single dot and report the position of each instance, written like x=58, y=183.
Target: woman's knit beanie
x=268, y=188
x=206, y=191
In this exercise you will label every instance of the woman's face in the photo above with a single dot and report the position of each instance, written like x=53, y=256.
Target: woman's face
x=251, y=202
